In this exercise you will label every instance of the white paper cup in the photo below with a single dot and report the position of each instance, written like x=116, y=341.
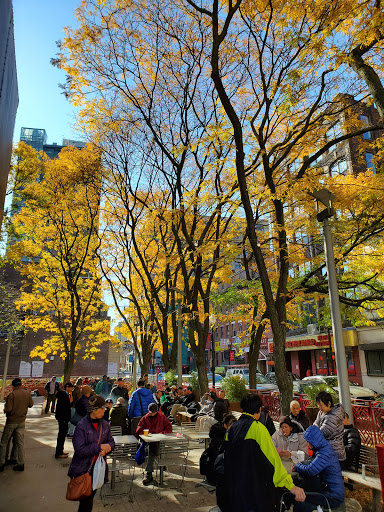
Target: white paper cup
x=301, y=455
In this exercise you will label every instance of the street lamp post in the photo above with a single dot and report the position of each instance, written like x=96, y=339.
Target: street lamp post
x=213, y=353
x=134, y=382
x=326, y=197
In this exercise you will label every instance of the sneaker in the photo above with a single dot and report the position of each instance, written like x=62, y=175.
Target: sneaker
x=2, y=468
x=10, y=462
x=62, y=456
x=148, y=479
x=19, y=467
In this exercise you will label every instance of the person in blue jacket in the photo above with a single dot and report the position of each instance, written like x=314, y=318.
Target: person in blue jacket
x=135, y=409
x=325, y=464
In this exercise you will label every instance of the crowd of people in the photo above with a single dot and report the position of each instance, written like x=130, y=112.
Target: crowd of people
x=248, y=461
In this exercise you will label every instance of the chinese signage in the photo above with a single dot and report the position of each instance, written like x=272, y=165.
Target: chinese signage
x=305, y=343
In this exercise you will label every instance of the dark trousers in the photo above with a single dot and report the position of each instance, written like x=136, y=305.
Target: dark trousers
x=51, y=399
x=62, y=434
x=86, y=504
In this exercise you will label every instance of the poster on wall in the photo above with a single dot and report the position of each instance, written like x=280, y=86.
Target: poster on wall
x=112, y=370
x=24, y=369
x=37, y=369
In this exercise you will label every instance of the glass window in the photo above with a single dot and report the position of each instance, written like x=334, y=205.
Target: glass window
x=375, y=362
x=365, y=120
x=369, y=161
x=338, y=167
x=350, y=361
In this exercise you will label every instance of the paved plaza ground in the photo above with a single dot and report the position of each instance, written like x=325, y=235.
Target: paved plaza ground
x=42, y=486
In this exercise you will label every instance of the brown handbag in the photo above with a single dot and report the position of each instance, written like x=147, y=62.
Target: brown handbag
x=80, y=487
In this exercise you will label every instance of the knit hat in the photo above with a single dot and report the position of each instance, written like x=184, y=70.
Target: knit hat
x=86, y=389
x=96, y=402
x=286, y=420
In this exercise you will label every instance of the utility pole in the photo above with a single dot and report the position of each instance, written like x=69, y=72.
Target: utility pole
x=326, y=197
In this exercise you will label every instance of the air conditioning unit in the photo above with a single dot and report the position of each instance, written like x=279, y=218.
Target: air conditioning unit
x=312, y=329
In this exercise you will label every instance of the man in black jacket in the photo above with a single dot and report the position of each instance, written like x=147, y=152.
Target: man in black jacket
x=63, y=416
x=120, y=391
x=352, y=443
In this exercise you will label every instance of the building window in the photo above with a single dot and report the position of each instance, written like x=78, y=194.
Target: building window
x=369, y=161
x=375, y=362
x=350, y=360
x=366, y=135
x=338, y=167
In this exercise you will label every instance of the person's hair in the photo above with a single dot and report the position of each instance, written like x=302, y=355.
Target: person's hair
x=286, y=420
x=229, y=419
x=294, y=402
x=165, y=383
x=161, y=391
x=213, y=395
x=148, y=386
x=153, y=408
x=104, y=376
x=79, y=381
x=180, y=387
x=109, y=401
x=251, y=403
x=53, y=376
x=120, y=379
x=68, y=385
x=16, y=382
x=220, y=409
x=346, y=415
x=140, y=383
x=189, y=388
x=121, y=400
x=145, y=375
x=325, y=398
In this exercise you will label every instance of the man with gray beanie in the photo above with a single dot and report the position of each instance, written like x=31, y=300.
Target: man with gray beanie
x=16, y=408
x=157, y=423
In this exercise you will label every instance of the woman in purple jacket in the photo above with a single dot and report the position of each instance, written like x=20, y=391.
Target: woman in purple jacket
x=88, y=447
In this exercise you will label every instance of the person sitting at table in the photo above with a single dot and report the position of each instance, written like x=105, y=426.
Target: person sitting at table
x=118, y=415
x=299, y=418
x=158, y=398
x=156, y=424
x=325, y=464
x=286, y=441
x=108, y=407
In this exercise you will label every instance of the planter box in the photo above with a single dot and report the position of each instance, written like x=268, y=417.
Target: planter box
x=234, y=406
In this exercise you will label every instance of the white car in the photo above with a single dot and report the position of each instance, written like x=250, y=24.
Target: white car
x=357, y=391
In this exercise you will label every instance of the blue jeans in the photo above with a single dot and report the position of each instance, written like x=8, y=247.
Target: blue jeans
x=312, y=501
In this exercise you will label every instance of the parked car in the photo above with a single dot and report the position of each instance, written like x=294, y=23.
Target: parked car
x=161, y=377
x=263, y=385
x=356, y=391
x=218, y=377
x=301, y=387
x=271, y=376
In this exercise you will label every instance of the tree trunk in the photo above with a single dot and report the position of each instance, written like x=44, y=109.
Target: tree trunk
x=253, y=354
x=69, y=361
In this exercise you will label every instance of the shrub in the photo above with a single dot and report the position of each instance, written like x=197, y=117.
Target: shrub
x=194, y=382
x=312, y=390
x=171, y=378
x=235, y=388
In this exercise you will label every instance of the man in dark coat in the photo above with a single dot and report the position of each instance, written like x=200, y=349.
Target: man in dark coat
x=63, y=417
x=118, y=416
x=352, y=444
x=120, y=391
x=252, y=466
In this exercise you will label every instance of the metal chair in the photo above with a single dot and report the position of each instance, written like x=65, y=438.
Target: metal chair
x=116, y=431
x=121, y=460
x=172, y=453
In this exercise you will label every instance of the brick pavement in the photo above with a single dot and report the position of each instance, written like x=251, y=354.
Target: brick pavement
x=42, y=486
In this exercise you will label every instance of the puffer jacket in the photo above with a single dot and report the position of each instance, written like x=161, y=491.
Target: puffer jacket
x=331, y=425
x=324, y=464
x=134, y=409
x=118, y=417
x=292, y=443
x=86, y=445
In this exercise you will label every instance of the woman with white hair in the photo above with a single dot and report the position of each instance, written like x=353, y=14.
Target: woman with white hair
x=298, y=417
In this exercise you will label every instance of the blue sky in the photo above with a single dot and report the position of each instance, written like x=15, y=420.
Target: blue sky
x=41, y=105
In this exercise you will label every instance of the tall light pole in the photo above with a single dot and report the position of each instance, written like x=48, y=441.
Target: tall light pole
x=134, y=382
x=326, y=197
x=179, y=337
x=212, y=321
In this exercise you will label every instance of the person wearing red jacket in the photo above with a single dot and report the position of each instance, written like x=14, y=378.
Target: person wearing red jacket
x=156, y=424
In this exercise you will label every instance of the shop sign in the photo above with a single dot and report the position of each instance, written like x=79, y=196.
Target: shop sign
x=304, y=343
x=232, y=355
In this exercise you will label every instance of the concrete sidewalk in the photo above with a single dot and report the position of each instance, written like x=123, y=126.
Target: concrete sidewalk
x=42, y=486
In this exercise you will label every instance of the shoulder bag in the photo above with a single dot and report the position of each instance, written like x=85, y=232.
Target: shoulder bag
x=81, y=486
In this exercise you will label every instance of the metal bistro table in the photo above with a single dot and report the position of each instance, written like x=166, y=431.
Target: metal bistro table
x=120, y=441
x=157, y=438
x=197, y=436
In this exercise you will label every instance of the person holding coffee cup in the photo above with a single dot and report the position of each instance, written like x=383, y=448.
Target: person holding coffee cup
x=286, y=441
x=154, y=423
